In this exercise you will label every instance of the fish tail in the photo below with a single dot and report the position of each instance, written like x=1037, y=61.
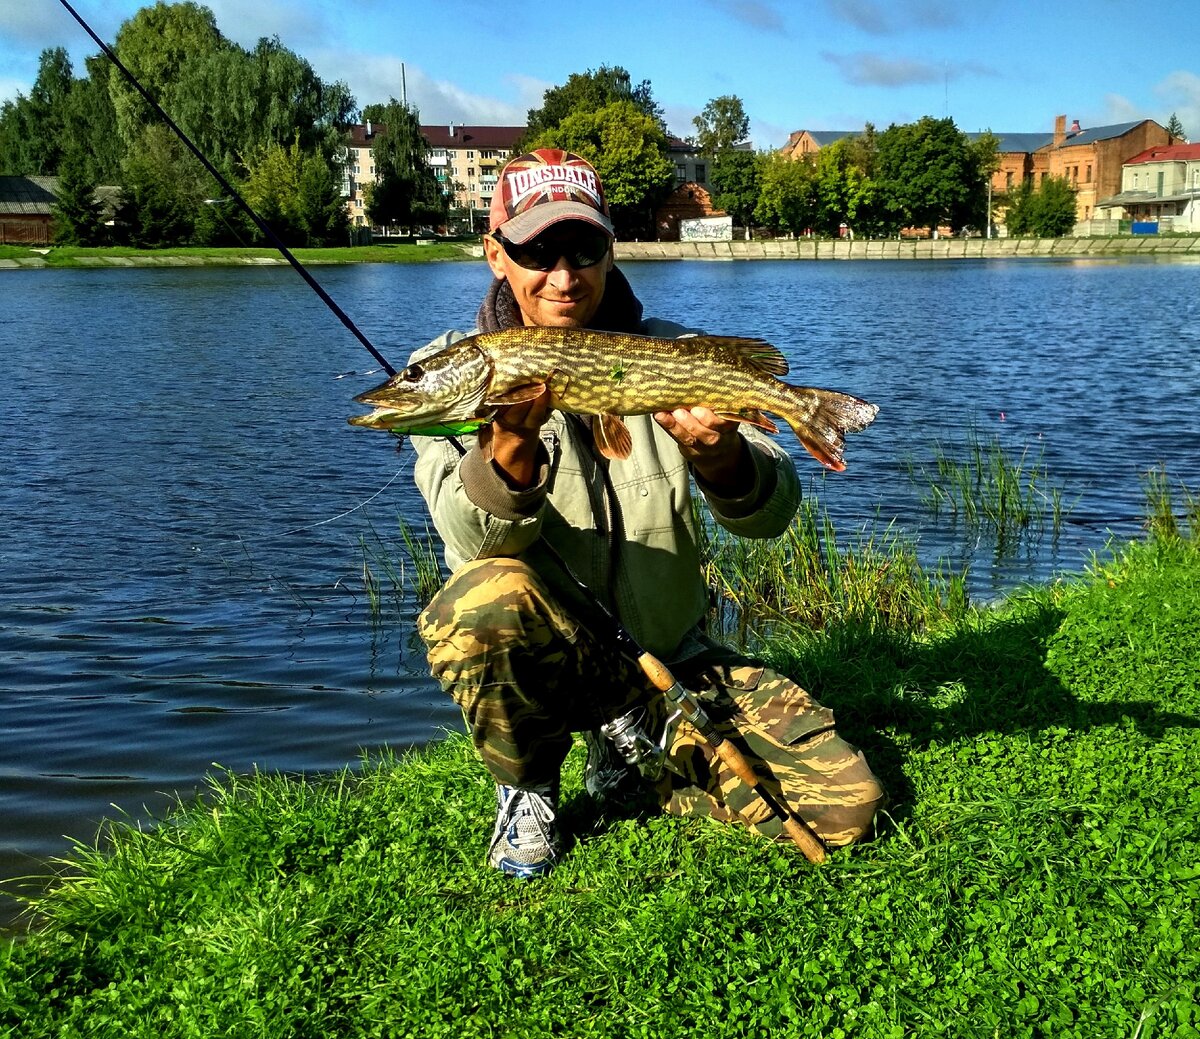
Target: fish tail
x=822, y=418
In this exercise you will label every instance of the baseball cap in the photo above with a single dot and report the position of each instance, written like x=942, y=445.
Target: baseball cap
x=543, y=187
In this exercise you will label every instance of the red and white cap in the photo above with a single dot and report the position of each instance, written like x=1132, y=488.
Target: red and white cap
x=544, y=187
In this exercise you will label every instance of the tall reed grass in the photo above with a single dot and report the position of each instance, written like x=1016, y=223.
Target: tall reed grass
x=982, y=484
x=807, y=577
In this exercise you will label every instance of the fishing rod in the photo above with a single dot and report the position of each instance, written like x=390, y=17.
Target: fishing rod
x=633, y=744
x=261, y=224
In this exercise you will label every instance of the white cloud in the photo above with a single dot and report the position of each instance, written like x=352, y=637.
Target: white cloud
x=1180, y=92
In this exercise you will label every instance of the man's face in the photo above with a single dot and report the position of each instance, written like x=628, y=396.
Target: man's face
x=566, y=295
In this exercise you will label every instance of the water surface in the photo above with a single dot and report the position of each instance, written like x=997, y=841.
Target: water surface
x=183, y=509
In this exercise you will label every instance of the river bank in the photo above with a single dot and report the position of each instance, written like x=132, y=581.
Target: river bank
x=1141, y=246
x=1035, y=871
x=913, y=249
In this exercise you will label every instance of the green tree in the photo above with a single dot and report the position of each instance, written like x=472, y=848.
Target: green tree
x=788, y=200
x=320, y=207
x=1175, y=128
x=927, y=176
x=844, y=192
x=406, y=192
x=32, y=138
x=91, y=123
x=588, y=92
x=1047, y=211
x=77, y=214
x=737, y=184
x=722, y=125
x=985, y=151
x=163, y=191
x=159, y=45
x=628, y=149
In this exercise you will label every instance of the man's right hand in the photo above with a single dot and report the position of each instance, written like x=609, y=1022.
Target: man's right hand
x=513, y=438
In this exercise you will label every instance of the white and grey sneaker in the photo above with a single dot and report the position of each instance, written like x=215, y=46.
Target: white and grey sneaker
x=524, y=842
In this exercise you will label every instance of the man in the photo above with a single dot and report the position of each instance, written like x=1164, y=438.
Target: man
x=508, y=634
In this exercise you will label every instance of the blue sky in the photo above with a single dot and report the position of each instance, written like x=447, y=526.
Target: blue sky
x=1007, y=65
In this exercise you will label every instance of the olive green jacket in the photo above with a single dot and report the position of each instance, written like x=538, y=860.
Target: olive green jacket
x=629, y=535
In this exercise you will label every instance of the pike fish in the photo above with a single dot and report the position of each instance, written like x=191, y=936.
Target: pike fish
x=607, y=375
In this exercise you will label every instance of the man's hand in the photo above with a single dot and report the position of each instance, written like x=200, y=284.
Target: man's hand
x=513, y=438
x=713, y=446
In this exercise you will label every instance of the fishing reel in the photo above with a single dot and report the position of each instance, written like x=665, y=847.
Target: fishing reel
x=630, y=736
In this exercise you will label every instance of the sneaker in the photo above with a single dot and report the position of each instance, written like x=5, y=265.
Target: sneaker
x=606, y=775
x=524, y=842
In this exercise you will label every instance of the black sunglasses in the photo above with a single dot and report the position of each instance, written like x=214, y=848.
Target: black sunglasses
x=582, y=248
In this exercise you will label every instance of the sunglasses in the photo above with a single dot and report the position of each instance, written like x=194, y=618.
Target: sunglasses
x=583, y=248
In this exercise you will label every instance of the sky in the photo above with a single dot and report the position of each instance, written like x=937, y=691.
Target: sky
x=1009, y=66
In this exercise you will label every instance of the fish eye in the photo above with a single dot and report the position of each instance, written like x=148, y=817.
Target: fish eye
x=413, y=373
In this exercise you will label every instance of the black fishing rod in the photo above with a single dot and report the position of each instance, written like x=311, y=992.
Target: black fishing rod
x=261, y=224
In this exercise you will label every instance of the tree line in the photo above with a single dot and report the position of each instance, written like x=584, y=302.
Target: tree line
x=278, y=132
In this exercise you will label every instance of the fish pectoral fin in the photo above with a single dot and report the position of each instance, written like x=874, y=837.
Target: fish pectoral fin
x=752, y=417
x=516, y=395
x=612, y=436
x=759, y=354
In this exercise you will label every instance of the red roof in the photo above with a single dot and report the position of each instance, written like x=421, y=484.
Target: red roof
x=456, y=135
x=1174, y=153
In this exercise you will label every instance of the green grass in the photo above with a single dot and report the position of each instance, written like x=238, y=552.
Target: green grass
x=1037, y=872
x=78, y=256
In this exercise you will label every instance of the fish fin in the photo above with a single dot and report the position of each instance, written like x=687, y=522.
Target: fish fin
x=760, y=354
x=752, y=417
x=824, y=418
x=516, y=395
x=612, y=436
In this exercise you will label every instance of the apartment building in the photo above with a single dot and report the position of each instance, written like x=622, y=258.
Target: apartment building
x=466, y=160
x=1160, y=186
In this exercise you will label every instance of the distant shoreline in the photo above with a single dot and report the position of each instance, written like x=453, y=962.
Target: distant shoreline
x=20, y=258
x=912, y=249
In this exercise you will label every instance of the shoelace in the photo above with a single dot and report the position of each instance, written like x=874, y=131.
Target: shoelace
x=534, y=806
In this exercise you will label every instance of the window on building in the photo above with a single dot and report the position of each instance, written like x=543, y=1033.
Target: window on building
x=701, y=172
x=1008, y=181
x=680, y=172
x=1089, y=174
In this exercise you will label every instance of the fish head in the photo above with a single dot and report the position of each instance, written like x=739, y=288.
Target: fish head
x=443, y=389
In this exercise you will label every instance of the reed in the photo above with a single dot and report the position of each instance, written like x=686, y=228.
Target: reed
x=806, y=578
x=1162, y=520
x=983, y=485
x=389, y=576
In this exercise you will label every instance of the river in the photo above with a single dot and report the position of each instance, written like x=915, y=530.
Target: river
x=185, y=514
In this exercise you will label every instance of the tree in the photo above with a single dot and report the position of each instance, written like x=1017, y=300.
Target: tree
x=91, y=123
x=737, y=183
x=722, y=125
x=788, y=200
x=163, y=190
x=77, y=219
x=628, y=149
x=407, y=192
x=985, y=150
x=1047, y=211
x=32, y=140
x=588, y=92
x=1175, y=128
x=844, y=192
x=927, y=176
x=159, y=45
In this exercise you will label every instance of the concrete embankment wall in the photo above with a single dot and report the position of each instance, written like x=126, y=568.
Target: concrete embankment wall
x=891, y=249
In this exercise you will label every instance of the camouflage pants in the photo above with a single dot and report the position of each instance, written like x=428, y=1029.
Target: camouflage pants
x=527, y=675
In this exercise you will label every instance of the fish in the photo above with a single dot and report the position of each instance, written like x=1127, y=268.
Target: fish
x=609, y=375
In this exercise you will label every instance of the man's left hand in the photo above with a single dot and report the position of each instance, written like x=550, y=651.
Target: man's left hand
x=713, y=446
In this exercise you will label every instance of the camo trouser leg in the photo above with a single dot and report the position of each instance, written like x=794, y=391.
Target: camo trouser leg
x=790, y=741
x=524, y=671
x=527, y=675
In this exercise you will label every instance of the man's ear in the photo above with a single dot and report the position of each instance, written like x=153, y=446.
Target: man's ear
x=493, y=252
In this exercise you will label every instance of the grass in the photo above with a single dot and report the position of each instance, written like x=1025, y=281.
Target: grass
x=1035, y=874
x=982, y=485
x=79, y=256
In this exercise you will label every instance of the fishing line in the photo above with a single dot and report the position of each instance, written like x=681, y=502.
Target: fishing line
x=239, y=540
x=272, y=237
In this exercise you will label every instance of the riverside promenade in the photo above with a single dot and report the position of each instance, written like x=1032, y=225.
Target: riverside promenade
x=911, y=249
